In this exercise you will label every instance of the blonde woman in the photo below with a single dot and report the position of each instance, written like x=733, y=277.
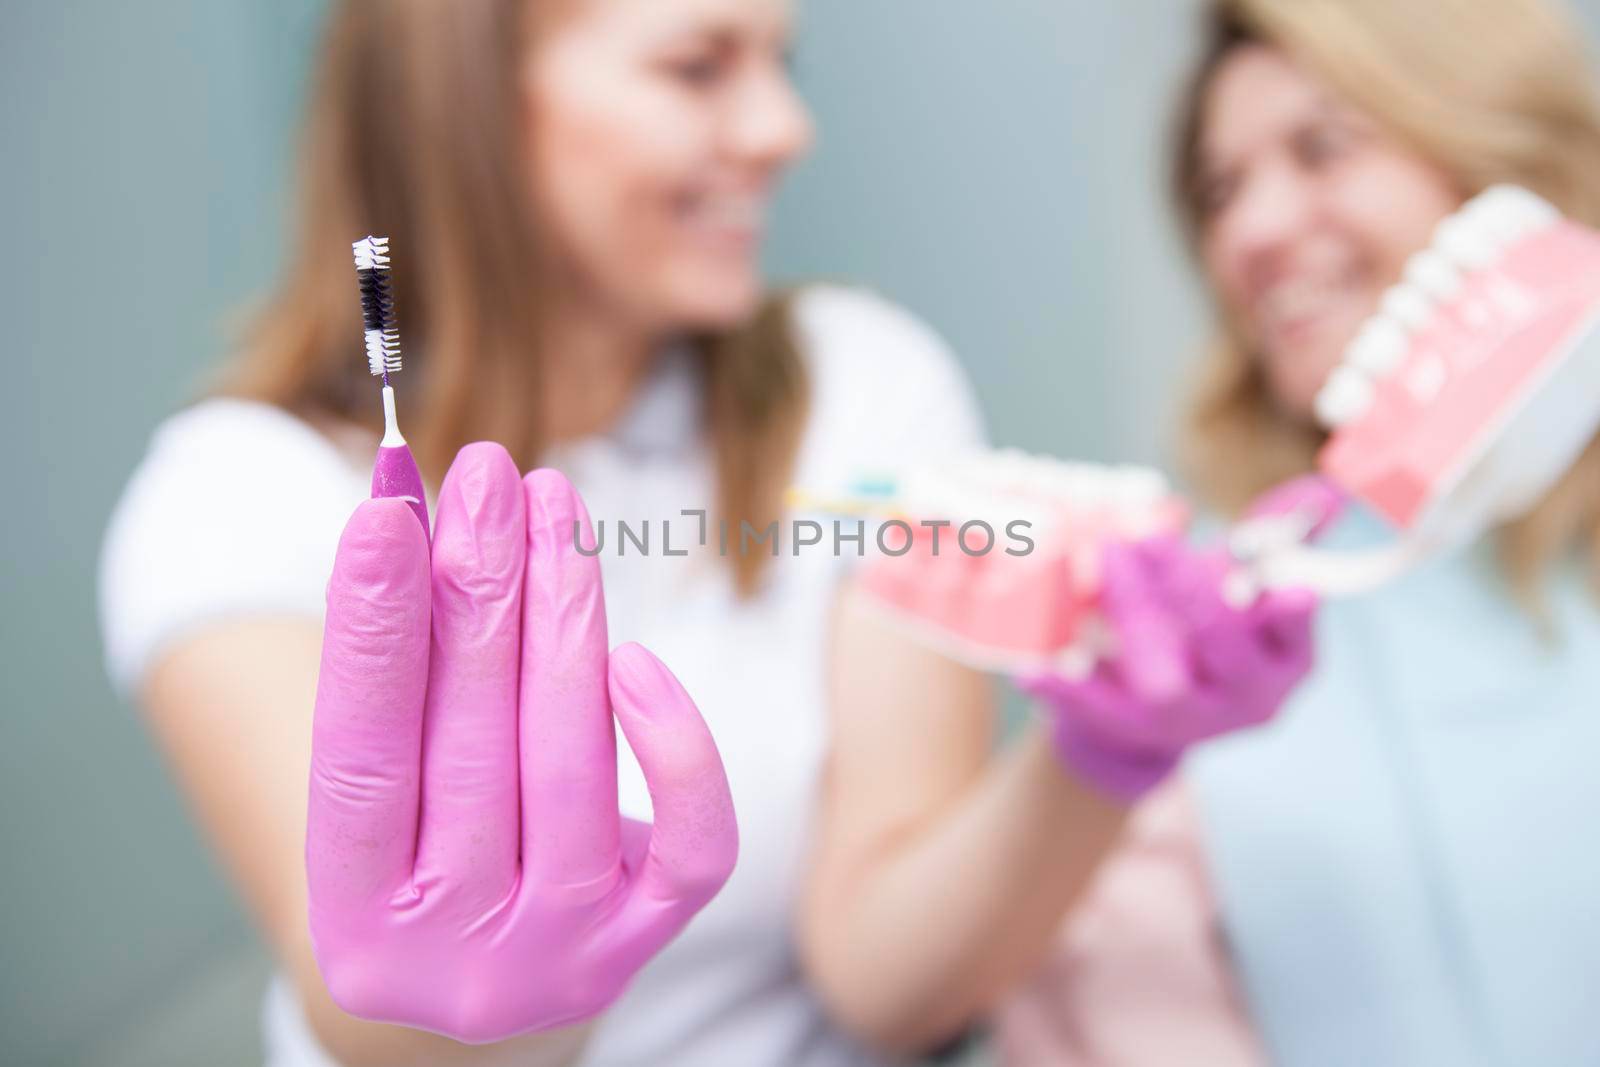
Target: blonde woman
x=1399, y=871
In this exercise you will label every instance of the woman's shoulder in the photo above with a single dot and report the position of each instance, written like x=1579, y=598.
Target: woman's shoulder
x=234, y=507
x=886, y=389
x=234, y=461
x=237, y=423
x=854, y=330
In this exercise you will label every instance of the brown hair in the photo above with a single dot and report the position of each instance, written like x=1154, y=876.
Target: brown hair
x=1492, y=91
x=414, y=132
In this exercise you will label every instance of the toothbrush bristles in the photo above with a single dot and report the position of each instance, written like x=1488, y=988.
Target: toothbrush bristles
x=377, y=306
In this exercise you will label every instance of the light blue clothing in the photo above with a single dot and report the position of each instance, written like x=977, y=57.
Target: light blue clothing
x=1408, y=860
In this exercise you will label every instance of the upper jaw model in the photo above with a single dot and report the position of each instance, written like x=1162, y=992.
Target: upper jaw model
x=1470, y=392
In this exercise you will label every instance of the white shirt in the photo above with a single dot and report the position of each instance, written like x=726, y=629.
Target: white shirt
x=237, y=508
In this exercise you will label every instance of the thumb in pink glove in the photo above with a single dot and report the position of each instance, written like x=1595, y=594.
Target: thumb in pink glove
x=467, y=867
x=1189, y=663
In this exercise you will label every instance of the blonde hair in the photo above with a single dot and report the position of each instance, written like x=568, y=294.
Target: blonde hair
x=1489, y=90
x=415, y=131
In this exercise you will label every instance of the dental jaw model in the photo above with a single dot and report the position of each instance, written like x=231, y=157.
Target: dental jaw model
x=1456, y=408
x=1001, y=560
x=1464, y=399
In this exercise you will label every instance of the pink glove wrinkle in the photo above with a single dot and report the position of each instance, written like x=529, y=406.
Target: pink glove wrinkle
x=1189, y=665
x=468, y=870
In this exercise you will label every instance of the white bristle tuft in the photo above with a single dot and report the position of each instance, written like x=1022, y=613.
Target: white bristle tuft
x=371, y=253
x=383, y=352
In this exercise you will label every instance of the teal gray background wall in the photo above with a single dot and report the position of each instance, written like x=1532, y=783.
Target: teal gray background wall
x=993, y=165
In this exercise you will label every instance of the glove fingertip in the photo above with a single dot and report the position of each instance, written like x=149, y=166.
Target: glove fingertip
x=1286, y=620
x=641, y=685
x=383, y=547
x=676, y=751
x=560, y=532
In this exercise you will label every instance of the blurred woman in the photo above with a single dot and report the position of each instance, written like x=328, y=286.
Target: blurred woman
x=1396, y=873
x=575, y=193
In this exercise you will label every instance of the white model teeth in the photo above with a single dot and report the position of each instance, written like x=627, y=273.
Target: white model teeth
x=1433, y=274
x=1347, y=396
x=1474, y=236
x=1407, y=306
x=1464, y=243
x=1502, y=226
x=1472, y=239
x=1515, y=199
x=1090, y=484
x=1379, y=348
x=1000, y=487
x=935, y=494
x=1510, y=212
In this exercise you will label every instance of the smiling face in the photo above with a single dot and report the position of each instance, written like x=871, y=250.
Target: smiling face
x=657, y=129
x=1310, y=212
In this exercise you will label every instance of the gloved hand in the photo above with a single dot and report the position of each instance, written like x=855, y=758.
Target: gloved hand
x=1189, y=663
x=468, y=871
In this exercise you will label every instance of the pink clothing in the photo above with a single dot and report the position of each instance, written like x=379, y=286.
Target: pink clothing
x=1139, y=975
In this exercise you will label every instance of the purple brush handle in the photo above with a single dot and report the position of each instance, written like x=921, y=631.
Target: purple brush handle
x=395, y=474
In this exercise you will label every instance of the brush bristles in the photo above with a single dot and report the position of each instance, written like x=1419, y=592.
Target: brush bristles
x=383, y=352
x=377, y=305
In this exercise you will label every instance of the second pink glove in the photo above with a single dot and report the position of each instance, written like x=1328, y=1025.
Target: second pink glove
x=1188, y=664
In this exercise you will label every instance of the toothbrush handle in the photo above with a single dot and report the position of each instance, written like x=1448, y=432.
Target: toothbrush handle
x=1340, y=574
x=1272, y=546
x=395, y=474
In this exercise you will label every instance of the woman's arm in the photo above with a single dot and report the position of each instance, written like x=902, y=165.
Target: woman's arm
x=231, y=708
x=939, y=873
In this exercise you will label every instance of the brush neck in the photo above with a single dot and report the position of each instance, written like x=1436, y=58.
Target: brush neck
x=391, y=423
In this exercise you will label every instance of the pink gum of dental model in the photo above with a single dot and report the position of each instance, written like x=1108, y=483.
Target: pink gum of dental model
x=1009, y=611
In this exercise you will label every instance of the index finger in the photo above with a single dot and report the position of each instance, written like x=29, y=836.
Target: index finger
x=366, y=736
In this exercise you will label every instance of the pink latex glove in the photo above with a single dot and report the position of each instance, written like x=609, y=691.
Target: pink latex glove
x=468, y=871
x=1189, y=665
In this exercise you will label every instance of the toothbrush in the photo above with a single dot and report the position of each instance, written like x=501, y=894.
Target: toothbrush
x=865, y=498
x=395, y=472
x=1463, y=401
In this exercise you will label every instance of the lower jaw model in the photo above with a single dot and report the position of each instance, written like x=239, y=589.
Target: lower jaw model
x=1456, y=408
x=1468, y=395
